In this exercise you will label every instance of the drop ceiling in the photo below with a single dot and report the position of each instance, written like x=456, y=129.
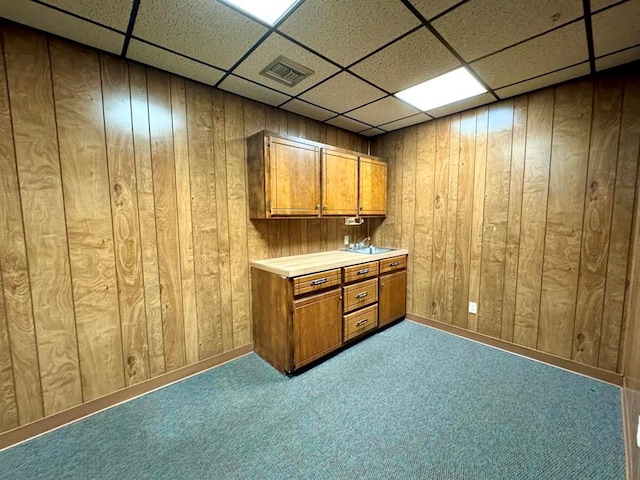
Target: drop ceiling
x=362, y=52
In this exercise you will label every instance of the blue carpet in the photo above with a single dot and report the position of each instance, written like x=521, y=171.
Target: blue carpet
x=409, y=402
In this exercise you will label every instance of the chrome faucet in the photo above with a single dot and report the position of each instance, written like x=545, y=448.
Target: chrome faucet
x=361, y=244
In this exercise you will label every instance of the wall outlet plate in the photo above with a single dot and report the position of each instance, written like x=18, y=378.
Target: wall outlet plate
x=346, y=239
x=473, y=308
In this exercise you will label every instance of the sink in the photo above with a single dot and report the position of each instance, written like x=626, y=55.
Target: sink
x=371, y=250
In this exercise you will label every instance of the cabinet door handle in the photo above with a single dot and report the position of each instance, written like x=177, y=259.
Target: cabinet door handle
x=363, y=271
x=362, y=322
x=362, y=295
x=319, y=281
x=394, y=264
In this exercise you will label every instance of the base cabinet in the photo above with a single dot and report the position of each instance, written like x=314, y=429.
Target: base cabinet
x=317, y=326
x=393, y=296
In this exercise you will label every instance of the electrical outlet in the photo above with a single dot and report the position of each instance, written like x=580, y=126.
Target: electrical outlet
x=473, y=308
x=346, y=239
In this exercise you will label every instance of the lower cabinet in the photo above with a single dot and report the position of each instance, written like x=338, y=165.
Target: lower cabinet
x=317, y=326
x=393, y=296
x=297, y=320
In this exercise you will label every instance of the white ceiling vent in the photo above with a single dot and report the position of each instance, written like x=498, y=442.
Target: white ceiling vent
x=286, y=71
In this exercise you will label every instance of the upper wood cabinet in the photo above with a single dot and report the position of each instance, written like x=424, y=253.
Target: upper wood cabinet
x=292, y=177
x=339, y=183
x=373, y=187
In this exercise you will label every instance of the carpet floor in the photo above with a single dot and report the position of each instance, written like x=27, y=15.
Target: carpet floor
x=408, y=402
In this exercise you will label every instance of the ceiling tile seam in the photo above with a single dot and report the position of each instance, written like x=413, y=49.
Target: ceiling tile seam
x=388, y=44
x=586, y=4
x=350, y=118
x=132, y=21
x=297, y=97
x=79, y=17
x=310, y=103
x=609, y=7
x=176, y=53
x=618, y=51
x=389, y=95
x=448, y=46
x=448, y=10
x=309, y=49
x=558, y=27
x=260, y=41
x=404, y=118
x=542, y=75
x=261, y=85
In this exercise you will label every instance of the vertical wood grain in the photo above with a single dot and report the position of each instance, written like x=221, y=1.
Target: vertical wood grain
x=147, y=217
x=408, y=206
x=203, y=216
x=601, y=175
x=237, y=203
x=512, y=248
x=452, y=209
x=15, y=277
x=464, y=216
x=183, y=205
x=124, y=207
x=477, y=212
x=8, y=405
x=36, y=148
x=85, y=178
x=534, y=217
x=612, y=342
x=168, y=242
x=568, y=172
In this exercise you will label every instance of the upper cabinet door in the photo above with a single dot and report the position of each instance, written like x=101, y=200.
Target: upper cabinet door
x=339, y=183
x=373, y=187
x=294, y=178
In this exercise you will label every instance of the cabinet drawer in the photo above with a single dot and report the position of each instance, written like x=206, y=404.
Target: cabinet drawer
x=359, y=322
x=360, y=271
x=316, y=281
x=360, y=294
x=393, y=263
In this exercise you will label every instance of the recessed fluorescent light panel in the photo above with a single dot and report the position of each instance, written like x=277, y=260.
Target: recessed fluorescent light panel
x=268, y=11
x=443, y=90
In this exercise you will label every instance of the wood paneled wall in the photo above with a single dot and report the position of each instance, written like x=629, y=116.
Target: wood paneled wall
x=632, y=350
x=124, y=235
x=524, y=206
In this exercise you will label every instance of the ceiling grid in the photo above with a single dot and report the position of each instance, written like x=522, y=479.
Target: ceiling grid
x=362, y=52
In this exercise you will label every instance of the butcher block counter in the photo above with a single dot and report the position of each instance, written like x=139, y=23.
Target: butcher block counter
x=307, y=306
x=297, y=265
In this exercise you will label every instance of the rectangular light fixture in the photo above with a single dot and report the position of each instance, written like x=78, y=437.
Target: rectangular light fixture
x=268, y=11
x=443, y=90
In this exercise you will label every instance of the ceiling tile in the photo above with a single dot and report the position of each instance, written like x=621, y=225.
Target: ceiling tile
x=431, y=8
x=600, y=4
x=347, y=31
x=558, y=49
x=478, y=28
x=348, y=124
x=157, y=57
x=307, y=110
x=461, y=105
x=275, y=46
x=52, y=21
x=615, y=59
x=205, y=30
x=414, y=59
x=372, y=132
x=406, y=122
x=383, y=111
x=616, y=28
x=544, y=80
x=342, y=92
x=247, y=89
x=112, y=14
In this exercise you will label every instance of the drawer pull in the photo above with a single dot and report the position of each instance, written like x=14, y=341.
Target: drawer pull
x=362, y=295
x=394, y=264
x=363, y=271
x=319, y=281
x=362, y=322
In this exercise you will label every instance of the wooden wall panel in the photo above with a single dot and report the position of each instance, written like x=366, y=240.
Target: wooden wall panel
x=38, y=164
x=533, y=196
x=85, y=179
x=8, y=404
x=126, y=224
x=15, y=276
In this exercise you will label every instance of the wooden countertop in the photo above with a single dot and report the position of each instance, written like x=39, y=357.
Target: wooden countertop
x=296, y=265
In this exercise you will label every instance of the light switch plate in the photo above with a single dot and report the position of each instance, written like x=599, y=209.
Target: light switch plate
x=346, y=239
x=473, y=308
